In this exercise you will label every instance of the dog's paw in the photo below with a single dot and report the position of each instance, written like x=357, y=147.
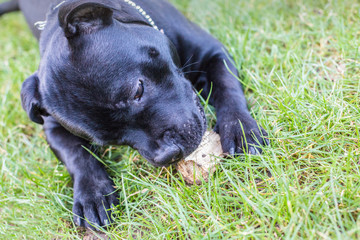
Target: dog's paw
x=240, y=134
x=93, y=200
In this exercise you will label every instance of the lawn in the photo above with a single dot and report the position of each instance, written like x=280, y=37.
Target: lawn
x=300, y=66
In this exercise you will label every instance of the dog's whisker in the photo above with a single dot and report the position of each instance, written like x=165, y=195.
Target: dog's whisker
x=187, y=61
x=191, y=64
x=194, y=72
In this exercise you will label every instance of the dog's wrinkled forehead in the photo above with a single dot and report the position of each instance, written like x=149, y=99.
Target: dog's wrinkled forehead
x=114, y=57
x=127, y=43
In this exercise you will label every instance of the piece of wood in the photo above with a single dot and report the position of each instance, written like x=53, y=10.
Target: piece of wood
x=202, y=161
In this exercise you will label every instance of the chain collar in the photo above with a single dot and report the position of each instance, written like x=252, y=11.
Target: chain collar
x=145, y=15
x=41, y=24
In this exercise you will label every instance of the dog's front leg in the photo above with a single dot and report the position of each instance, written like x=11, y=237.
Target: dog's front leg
x=238, y=130
x=93, y=190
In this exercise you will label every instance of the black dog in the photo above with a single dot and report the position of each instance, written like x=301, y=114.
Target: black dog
x=111, y=72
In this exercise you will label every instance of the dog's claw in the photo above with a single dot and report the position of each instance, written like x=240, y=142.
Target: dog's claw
x=232, y=151
x=92, y=220
x=77, y=216
x=253, y=151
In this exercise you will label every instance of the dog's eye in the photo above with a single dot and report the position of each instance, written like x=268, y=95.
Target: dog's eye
x=139, y=91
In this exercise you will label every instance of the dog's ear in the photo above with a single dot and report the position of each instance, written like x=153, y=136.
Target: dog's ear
x=84, y=16
x=30, y=99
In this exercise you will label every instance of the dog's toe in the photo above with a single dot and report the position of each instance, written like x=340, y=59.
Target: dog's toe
x=78, y=215
x=104, y=212
x=91, y=217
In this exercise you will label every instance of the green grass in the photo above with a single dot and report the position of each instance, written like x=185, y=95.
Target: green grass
x=299, y=62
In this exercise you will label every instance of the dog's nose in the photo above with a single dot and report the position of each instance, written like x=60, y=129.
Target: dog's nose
x=168, y=155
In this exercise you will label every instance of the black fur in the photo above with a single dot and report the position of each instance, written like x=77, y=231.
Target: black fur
x=97, y=56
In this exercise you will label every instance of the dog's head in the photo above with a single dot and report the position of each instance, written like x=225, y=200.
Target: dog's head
x=115, y=82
